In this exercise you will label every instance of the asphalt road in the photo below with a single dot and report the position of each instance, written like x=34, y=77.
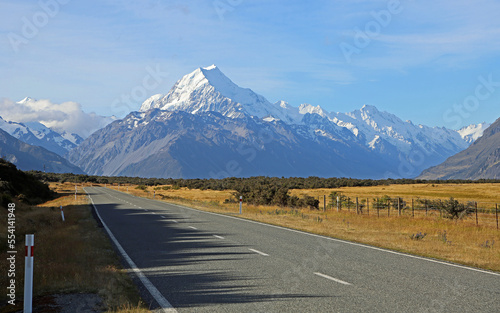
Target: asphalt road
x=205, y=262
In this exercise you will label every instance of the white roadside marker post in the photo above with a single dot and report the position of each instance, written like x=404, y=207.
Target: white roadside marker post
x=241, y=202
x=338, y=203
x=62, y=213
x=28, y=274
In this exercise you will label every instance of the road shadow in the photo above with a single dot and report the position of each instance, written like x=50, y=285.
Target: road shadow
x=191, y=267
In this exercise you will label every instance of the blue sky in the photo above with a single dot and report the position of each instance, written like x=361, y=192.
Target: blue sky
x=435, y=63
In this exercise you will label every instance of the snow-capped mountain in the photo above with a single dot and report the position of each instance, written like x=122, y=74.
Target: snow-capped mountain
x=206, y=118
x=208, y=89
x=481, y=160
x=417, y=146
x=37, y=134
x=472, y=132
x=28, y=157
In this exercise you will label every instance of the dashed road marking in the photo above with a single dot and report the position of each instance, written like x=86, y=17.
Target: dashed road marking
x=259, y=252
x=332, y=278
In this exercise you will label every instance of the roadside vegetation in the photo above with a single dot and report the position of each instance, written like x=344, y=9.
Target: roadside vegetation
x=71, y=257
x=242, y=184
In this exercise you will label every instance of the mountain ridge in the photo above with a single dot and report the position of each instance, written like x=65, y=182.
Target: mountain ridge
x=391, y=146
x=28, y=157
x=481, y=160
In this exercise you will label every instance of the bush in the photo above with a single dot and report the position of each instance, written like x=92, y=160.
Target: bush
x=453, y=209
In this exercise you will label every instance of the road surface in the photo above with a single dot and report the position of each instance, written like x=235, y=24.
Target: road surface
x=193, y=261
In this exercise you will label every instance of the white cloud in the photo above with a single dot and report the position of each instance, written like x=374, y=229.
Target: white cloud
x=66, y=116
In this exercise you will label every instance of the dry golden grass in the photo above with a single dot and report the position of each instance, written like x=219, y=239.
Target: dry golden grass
x=457, y=241
x=74, y=256
x=488, y=193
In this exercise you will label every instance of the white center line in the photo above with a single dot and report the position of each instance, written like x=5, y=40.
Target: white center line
x=146, y=210
x=259, y=252
x=192, y=227
x=334, y=279
x=153, y=213
x=219, y=237
x=162, y=216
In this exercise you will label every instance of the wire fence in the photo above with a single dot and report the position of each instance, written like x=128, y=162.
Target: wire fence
x=481, y=213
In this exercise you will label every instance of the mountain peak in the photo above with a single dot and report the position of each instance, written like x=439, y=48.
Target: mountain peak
x=208, y=89
x=25, y=100
x=369, y=108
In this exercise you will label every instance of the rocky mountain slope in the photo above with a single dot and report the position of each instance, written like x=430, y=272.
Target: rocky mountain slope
x=480, y=160
x=28, y=157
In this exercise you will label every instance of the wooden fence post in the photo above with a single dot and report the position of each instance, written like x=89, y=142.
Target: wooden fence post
x=475, y=205
x=496, y=213
x=378, y=208
x=412, y=208
x=388, y=208
x=357, y=206
x=426, y=207
x=324, y=203
x=399, y=206
x=367, y=207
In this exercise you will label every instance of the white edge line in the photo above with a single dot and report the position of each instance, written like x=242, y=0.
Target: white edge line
x=164, y=304
x=259, y=252
x=332, y=278
x=344, y=241
x=217, y=236
x=192, y=227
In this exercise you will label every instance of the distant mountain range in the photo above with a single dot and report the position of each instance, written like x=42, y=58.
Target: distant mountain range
x=29, y=157
x=37, y=134
x=480, y=160
x=207, y=126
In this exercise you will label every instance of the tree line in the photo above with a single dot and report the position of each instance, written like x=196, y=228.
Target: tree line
x=237, y=183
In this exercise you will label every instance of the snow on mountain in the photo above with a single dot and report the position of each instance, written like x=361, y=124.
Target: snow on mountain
x=472, y=132
x=37, y=134
x=401, y=143
x=406, y=136
x=208, y=89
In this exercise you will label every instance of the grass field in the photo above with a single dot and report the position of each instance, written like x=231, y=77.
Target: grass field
x=457, y=241
x=487, y=194
x=74, y=256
